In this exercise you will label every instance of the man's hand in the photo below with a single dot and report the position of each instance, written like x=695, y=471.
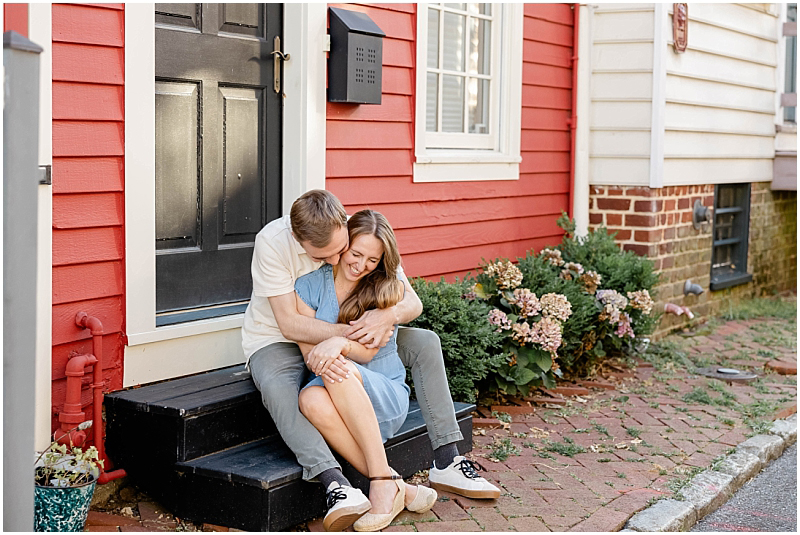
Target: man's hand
x=374, y=328
x=327, y=361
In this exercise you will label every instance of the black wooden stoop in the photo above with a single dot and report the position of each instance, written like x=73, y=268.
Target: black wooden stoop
x=206, y=448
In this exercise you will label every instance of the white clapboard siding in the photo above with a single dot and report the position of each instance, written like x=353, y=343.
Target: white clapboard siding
x=620, y=171
x=609, y=143
x=628, y=85
x=695, y=118
x=621, y=89
x=717, y=171
x=636, y=24
x=620, y=114
x=679, y=144
x=622, y=56
x=720, y=96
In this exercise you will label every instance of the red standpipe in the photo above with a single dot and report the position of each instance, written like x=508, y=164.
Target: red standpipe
x=96, y=327
x=72, y=415
x=573, y=120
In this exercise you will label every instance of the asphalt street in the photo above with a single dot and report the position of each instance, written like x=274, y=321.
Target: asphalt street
x=767, y=502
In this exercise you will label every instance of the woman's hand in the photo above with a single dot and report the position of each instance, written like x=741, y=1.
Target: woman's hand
x=327, y=359
x=374, y=328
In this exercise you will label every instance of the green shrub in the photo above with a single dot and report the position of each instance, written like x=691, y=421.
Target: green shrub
x=471, y=348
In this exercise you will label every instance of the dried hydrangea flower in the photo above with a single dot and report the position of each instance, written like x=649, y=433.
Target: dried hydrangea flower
x=547, y=333
x=506, y=275
x=498, y=317
x=590, y=280
x=570, y=269
x=641, y=300
x=553, y=256
x=521, y=332
x=527, y=302
x=555, y=306
x=624, y=327
x=613, y=305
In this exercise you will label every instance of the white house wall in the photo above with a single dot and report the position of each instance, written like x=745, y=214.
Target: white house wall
x=720, y=96
x=621, y=88
x=717, y=99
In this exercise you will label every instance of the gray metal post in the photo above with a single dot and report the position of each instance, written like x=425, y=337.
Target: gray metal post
x=20, y=190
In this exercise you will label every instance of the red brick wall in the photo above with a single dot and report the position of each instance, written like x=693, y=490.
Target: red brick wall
x=657, y=223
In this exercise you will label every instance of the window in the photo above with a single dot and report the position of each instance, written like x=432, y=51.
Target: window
x=469, y=83
x=789, y=99
x=731, y=236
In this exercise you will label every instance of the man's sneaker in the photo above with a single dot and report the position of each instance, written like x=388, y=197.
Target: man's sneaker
x=345, y=506
x=462, y=478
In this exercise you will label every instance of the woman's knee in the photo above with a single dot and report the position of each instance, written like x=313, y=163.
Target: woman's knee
x=316, y=404
x=354, y=381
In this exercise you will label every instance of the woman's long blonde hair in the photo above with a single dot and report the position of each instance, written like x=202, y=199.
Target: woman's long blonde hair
x=380, y=288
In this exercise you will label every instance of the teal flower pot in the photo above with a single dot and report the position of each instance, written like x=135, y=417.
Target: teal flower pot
x=62, y=508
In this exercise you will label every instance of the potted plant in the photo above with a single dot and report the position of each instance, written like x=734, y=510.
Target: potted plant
x=64, y=482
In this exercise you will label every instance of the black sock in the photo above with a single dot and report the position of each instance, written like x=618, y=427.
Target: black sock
x=443, y=455
x=330, y=475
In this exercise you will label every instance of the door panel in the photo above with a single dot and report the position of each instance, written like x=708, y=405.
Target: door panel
x=243, y=170
x=177, y=175
x=179, y=14
x=218, y=130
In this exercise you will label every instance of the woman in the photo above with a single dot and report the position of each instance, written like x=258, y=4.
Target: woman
x=356, y=416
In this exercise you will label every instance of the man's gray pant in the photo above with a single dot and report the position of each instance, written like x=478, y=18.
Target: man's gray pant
x=278, y=371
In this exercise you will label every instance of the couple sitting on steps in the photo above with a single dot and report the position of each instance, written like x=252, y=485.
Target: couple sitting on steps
x=324, y=349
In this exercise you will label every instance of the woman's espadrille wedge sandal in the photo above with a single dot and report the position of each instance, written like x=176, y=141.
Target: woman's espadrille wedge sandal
x=376, y=522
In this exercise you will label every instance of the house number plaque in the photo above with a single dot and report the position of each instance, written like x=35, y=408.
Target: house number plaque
x=680, y=27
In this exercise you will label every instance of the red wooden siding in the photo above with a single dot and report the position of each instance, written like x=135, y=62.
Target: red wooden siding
x=447, y=228
x=88, y=179
x=15, y=18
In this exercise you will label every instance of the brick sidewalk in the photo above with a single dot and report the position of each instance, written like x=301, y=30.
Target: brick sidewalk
x=589, y=462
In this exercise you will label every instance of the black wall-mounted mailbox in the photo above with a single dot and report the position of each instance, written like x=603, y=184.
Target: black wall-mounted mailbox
x=355, y=62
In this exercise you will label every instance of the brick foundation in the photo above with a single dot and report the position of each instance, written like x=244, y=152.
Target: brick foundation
x=657, y=223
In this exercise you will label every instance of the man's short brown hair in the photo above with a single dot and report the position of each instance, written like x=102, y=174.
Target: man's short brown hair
x=315, y=215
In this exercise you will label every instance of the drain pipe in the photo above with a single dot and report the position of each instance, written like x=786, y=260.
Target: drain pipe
x=96, y=327
x=573, y=120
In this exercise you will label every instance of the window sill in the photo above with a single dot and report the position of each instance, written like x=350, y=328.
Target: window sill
x=471, y=167
x=730, y=280
x=182, y=330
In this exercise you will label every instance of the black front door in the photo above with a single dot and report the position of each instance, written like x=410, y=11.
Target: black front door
x=218, y=149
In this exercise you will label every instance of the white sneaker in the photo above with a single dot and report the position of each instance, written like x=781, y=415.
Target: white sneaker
x=345, y=506
x=462, y=478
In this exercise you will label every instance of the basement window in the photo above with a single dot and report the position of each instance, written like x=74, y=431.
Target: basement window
x=731, y=235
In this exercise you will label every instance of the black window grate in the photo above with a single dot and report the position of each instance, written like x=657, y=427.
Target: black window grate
x=730, y=236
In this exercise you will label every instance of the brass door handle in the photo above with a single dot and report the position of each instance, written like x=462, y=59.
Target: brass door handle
x=277, y=54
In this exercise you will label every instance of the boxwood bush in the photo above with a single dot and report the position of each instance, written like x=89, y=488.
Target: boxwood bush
x=470, y=345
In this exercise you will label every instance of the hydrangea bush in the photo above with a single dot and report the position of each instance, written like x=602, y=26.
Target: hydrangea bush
x=565, y=309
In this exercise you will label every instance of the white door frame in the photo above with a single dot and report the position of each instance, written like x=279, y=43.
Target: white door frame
x=151, y=353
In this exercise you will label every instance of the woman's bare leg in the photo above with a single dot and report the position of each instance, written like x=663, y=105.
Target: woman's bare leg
x=317, y=406
x=343, y=418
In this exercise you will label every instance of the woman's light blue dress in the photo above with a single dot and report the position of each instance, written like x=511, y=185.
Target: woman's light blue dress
x=384, y=376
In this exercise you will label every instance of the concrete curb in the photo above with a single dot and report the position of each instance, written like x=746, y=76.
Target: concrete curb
x=711, y=488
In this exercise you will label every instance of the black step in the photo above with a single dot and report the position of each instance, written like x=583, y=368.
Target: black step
x=206, y=448
x=265, y=472
x=189, y=417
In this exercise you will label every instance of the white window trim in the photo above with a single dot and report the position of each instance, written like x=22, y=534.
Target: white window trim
x=150, y=351
x=445, y=165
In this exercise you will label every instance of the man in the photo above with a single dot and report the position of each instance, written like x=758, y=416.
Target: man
x=315, y=232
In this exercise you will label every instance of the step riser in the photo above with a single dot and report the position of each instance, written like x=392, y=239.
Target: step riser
x=183, y=439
